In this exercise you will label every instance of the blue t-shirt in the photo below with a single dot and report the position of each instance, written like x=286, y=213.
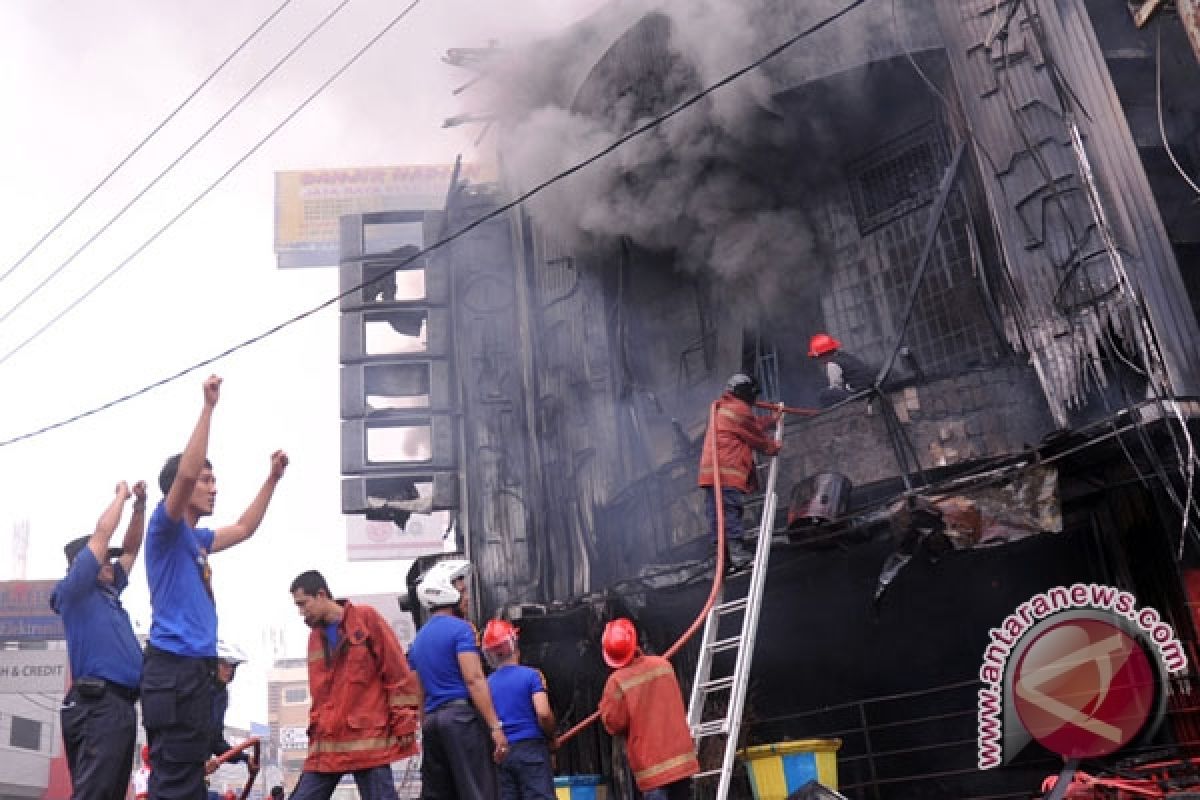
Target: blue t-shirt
x=513, y=687
x=434, y=655
x=100, y=640
x=185, y=618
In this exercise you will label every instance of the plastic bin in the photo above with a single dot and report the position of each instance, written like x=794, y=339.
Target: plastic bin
x=777, y=770
x=580, y=787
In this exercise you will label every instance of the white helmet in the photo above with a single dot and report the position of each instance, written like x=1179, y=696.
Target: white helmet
x=230, y=653
x=436, y=587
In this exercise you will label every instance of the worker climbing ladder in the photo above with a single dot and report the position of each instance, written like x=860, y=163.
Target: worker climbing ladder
x=742, y=613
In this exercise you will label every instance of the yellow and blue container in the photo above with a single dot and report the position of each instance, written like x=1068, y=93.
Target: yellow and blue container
x=580, y=787
x=777, y=770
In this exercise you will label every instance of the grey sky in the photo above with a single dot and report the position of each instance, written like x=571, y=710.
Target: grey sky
x=81, y=83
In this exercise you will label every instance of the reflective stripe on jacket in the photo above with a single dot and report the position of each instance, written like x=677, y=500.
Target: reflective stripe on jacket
x=739, y=433
x=643, y=702
x=364, y=696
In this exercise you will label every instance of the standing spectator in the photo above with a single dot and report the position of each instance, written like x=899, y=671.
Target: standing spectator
x=520, y=697
x=739, y=433
x=364, y=696
x=459, y=762
x=99, y=722
x=642, y=701
x=178, y=670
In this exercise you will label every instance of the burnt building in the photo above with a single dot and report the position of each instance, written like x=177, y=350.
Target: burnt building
x=986, y=202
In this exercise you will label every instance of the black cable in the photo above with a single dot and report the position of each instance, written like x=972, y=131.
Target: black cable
x=144, y=141
x=214, y=185
x=237, y=104
x=638, y=131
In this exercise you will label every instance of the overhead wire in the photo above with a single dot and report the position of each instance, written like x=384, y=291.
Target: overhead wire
x=163, y=173
x=442, y=242
x=195, y=201
x=1158, y=104
x=137, y=148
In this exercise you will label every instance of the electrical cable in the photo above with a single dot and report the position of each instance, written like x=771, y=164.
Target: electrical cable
x=1158, y=104
x=270, y=134
x=162, y=174
x=638, y=131
x=144, y=141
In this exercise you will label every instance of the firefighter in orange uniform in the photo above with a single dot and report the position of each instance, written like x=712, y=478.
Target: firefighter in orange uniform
x=739, y=433
x=364, y=696
x=643, y=702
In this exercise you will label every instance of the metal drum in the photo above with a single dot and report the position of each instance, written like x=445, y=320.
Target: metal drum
x=819, y=498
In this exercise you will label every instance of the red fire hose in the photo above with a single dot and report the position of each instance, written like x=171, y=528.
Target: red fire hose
x=252, y=766
x=719, y=571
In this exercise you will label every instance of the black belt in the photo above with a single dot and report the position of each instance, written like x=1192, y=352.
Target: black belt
x=90, y=688
x=458, y=701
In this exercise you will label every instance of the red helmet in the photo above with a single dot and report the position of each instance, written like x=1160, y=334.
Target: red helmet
x=619, y=643
x=498, y=633
x=821, y=344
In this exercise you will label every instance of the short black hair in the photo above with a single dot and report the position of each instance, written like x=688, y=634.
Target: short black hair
x=311, y=582
x=166, y=476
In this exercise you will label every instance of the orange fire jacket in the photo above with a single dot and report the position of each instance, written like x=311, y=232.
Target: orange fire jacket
x=739, y=432
x=364, y=696
x=643, y=701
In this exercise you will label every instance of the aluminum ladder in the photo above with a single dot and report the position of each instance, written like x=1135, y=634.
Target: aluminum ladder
x=704, y=685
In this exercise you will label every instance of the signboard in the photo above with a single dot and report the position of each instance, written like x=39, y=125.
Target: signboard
x=293, y=738
x=33, y=671
x=375, y=539
x=308, y=204
x=388, y=606
x=25, y=613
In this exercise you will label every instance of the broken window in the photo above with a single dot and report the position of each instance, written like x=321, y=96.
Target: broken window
x=395, y=332
x=383, y=283
x=399, y=442
x=397, y=386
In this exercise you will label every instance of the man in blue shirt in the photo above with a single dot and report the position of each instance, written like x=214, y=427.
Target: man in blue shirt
x=519, y=693
x=180, y=659
x=459, y=763
x=99, y=723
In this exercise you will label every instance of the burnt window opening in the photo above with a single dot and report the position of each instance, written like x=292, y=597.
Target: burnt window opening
x=897, y=178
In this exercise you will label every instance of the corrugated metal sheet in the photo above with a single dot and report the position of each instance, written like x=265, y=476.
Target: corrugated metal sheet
x=1079, y=263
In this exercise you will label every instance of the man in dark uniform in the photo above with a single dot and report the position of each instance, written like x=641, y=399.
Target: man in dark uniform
x=178, y=670
x=845, y=374
x=229, y=657
x=99, y=722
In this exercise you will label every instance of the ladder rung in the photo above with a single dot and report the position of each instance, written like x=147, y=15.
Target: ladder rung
x=717, y=685
x=708, y=773
x=732, y=643
x=731, y=606
x=714, y=727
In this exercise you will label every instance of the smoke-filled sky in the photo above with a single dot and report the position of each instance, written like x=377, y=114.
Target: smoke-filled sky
x=82, y=83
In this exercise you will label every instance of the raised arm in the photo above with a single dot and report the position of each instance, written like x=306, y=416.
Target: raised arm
x=252, y=517
x=106, y=526
x=194, y=454
x=137, y=527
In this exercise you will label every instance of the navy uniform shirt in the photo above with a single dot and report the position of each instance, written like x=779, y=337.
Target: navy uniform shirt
x=100, y=640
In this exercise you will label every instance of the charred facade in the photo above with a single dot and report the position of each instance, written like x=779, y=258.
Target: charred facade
x=972, y=198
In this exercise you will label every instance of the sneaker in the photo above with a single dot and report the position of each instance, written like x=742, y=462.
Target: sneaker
x=740, y=557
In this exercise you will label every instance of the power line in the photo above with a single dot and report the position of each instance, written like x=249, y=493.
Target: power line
x=503, y=209
x=237, y=104
x=144, y=141
x=163, y=229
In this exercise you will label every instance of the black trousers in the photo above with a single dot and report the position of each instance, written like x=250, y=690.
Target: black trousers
x=177, y=714
x=98, y=734
x=457, y=760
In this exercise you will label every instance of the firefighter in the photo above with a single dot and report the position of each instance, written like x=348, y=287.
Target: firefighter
x=229, y=656
x=520, y=697
x=642, y=701
x=845, y=374
x=364, y=696
x=459, y=761
x=739, y=434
